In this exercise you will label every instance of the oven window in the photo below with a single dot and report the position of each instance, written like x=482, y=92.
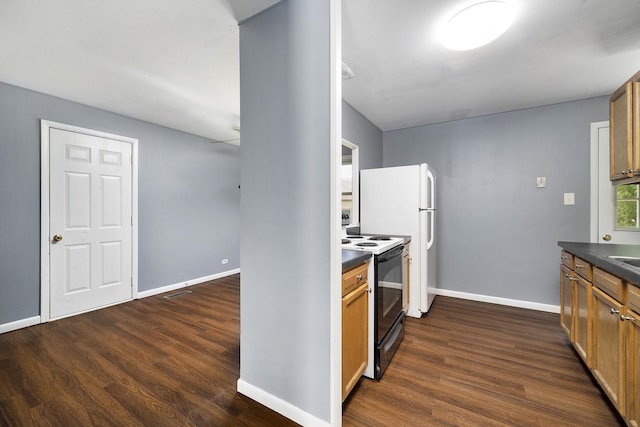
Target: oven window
x=389, y=293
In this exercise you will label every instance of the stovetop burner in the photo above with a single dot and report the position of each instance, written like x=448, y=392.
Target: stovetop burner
x=345, y=241
x=355, y=237
x=379, y=238
x=367, y=244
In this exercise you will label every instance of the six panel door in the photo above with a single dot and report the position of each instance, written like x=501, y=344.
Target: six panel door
x=90, y=222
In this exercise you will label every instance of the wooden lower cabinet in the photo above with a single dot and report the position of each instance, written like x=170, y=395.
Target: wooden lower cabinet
x=355, y=308
x=608, y=358
x=633, y=368
x=582, y=324
x=600, y=313
x=566, y=301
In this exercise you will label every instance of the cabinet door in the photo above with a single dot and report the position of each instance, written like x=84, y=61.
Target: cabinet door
x=608, y=345
x=582, y=324
x=566, y=300
x=633, y=368
x=621, y=132
x=354, y=337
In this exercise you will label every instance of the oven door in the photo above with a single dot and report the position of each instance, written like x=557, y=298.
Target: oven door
x=388, y=290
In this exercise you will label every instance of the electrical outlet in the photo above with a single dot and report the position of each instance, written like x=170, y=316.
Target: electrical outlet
x=225, y=261
x=541, y=181
x=569, y=198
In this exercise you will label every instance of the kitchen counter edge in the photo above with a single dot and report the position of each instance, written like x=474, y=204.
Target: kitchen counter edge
x=597, y=254
x=352, y=259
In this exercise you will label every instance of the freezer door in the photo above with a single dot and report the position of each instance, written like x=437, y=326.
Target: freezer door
x=390, y=200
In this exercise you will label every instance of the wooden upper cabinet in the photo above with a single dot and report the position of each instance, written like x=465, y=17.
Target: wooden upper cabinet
x=624, y=138
x=635, y=81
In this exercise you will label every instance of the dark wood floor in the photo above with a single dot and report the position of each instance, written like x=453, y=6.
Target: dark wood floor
x=468, y=363
x=150, y=362
x=159, y=362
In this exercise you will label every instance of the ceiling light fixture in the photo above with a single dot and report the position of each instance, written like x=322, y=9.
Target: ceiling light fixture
x=477, y=25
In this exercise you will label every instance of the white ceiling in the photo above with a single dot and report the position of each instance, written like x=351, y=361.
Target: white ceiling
x=170, y=62
x=175, y=62
x=555, y=51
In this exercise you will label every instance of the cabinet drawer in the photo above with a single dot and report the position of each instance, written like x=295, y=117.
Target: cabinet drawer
x=633, y=298
x=566, y=259
x=609, y=284
x=583, y=268
x=354, y=278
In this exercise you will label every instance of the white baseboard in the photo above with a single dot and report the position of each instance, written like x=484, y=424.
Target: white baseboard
x=501, y=301
x=186, y=283
x=19, y=324
x=280, y=406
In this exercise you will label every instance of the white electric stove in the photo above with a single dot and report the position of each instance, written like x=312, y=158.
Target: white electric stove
x=387, y=291
x=374, y=244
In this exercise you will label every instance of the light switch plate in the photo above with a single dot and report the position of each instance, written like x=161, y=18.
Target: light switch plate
x=569, y=198
x=541, y=181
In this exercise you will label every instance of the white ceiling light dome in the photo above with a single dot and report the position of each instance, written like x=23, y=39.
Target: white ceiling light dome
x=477, y=25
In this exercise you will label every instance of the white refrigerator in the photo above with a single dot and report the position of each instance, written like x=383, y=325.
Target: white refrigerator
x=401, y=201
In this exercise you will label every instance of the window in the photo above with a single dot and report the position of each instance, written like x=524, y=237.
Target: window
x=627, y=202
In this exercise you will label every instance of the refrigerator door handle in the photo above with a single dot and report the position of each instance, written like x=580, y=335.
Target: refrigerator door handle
x=432, y=189
x=432, y=217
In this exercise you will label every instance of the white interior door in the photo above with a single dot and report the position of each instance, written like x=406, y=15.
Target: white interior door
x=90, y=222
x=603, y=206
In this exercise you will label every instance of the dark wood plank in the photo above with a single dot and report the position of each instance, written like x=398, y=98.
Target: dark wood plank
x=175, y=363
x=475, y=364
x=147, y=362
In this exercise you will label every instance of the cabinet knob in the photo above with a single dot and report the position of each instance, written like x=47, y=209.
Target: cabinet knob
x=614, y=311
x=606, y=237
x=359, y=277
x=622, y=318
x=579, y=266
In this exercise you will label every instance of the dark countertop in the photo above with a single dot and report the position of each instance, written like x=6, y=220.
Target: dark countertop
x=597, y=253
x=351, y=258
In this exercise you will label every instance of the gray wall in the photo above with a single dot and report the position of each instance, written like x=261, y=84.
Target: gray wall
x=357, y=129
x=285, y=204
x=189, y=199
x=497, y=232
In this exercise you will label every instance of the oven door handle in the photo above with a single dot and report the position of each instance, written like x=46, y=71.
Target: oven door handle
x=391, y=253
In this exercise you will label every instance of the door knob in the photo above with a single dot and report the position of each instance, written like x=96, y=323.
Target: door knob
x=57, y=237
x=606, y=237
